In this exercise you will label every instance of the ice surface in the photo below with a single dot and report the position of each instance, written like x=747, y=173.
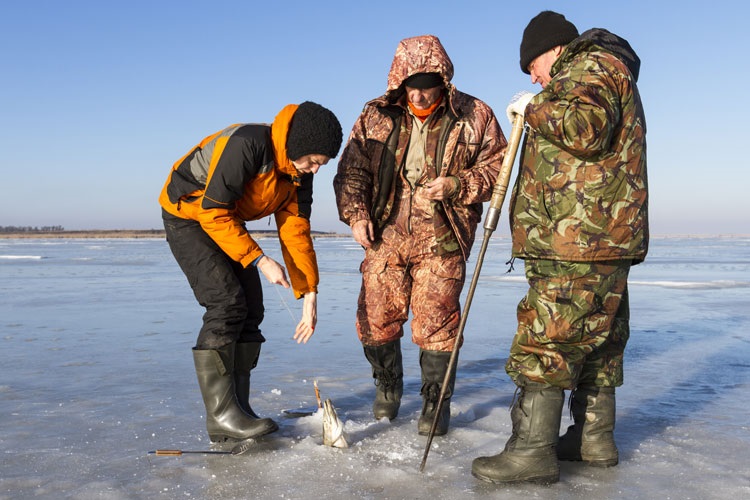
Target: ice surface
x=97, y=372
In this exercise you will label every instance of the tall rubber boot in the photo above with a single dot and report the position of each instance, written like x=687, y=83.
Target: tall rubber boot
x=225, y=420
x=388, y=372
x=434, y=364
x=529, y=455
x=591, y=437
x=246, y=356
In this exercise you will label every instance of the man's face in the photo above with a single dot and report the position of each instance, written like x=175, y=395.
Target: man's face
x=310, y=163
x=423, y=98
x=540, y=67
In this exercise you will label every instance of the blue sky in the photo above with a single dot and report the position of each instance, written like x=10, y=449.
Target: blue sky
x=100, y=98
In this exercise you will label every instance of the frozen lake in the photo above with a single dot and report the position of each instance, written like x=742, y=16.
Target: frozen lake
x=95, y=339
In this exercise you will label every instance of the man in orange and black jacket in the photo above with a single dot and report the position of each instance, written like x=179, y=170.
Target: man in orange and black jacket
x=243, y=173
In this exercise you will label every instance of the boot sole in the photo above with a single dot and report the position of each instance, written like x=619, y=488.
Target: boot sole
x=602, y=464
x=389, y=416
x=438, y=432
x=428, y=433
x=268, y=429
x=544, y=480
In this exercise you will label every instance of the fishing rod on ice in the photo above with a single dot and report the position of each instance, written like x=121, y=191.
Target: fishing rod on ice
x=177, y=453
x=490, y=224
x=238, y=449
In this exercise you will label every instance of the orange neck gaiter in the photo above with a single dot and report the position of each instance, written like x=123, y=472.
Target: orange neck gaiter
x=422, y=114
x=279, y=132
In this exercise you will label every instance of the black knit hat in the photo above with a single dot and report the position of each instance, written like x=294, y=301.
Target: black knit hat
x=424, y=81
x=546, y=31
x=314, y=130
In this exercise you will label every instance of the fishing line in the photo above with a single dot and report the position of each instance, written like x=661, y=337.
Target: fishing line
x=283, y=301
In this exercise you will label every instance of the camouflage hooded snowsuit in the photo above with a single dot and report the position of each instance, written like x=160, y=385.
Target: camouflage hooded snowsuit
x=579, y=215
x=418, y=258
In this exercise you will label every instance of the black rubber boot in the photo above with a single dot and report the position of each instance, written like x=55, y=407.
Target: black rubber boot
x=225, y=420
x=246, y=356
x=434, y=365
x=388, y=372
x=529, y=455
x=591, y=437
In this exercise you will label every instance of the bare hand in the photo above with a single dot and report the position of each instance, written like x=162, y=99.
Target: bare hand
x=273, y=271
x=363, y=233
x=306, y=326
x=442, y=188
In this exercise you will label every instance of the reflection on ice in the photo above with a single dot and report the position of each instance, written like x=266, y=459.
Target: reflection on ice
x=698, y=285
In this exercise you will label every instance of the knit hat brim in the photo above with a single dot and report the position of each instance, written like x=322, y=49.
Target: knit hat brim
x=424, y=81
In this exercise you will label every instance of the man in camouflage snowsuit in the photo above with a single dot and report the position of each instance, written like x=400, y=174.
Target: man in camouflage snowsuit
x=579, y=220
x=419, y=162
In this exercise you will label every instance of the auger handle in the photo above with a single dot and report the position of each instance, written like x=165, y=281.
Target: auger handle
x=498, y=197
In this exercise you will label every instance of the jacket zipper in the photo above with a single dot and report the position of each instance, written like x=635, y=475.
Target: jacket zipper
x=412, y=189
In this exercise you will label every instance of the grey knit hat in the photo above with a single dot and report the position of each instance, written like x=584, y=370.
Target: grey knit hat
x=546, y=31
x=313, y=130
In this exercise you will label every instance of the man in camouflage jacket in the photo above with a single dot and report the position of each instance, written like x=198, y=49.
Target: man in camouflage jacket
x=418, y=164
x=579, y=219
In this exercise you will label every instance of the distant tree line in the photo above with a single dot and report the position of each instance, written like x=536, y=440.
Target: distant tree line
x=30, y=229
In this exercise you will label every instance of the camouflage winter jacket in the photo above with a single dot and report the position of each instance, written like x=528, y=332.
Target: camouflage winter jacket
x=582, y=192
x=468, y=144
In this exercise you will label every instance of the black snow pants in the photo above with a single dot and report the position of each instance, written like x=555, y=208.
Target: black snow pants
x=231, y=294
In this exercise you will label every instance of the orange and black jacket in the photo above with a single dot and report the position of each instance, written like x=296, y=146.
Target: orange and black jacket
x=242, y=173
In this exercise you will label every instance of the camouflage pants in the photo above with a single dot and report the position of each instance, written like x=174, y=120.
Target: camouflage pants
x=402, y=271
x=573, y=324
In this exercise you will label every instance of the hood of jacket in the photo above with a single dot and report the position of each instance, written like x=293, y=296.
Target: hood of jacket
x=610, y=42
x=279, y=133
x=419, y=54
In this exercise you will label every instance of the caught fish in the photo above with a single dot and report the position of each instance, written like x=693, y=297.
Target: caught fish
x=333, y=428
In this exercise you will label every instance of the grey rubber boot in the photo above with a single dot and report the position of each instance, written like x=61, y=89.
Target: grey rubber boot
x=225, y=420
x=388, y=372
x=591, y=437
x=434, y=365
x=246, y=356
x=529, y=455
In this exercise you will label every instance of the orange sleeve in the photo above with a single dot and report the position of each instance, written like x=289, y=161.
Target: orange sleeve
x=230, y=234
x=298, y=252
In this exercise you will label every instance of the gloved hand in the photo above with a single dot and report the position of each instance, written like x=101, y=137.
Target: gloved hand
x=518, y=104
